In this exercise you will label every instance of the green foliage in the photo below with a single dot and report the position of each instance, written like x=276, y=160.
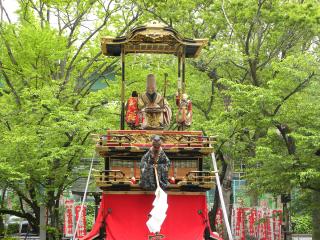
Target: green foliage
x=53, y=232
x=264, y=65
x=256, y=87
x=302, y=224
x=13, y=228
x=48, y=110
x=90, y=215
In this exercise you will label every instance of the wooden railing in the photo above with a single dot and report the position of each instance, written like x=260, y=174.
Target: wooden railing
x=109, y=178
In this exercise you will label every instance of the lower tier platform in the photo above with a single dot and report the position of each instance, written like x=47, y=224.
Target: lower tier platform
x=194, y=181
x=124, y=216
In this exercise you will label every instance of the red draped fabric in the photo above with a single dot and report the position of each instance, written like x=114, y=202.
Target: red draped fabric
x=132, y=116
x=95, y=231
x=126, y=215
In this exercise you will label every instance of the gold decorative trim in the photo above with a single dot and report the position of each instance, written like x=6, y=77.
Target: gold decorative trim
x=151, y=193
x=152, y=38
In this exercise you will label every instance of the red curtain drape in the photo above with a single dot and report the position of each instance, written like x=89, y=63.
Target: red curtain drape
x=126, y=215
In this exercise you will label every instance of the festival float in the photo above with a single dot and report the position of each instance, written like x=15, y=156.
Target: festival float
x=153, y=180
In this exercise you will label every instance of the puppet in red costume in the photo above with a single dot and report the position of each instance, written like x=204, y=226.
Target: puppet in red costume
x=132, y=115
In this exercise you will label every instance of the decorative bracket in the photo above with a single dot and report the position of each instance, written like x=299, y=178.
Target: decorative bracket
x=158, y=236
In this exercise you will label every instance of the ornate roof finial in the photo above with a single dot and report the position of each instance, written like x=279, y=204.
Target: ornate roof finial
x=155, y=24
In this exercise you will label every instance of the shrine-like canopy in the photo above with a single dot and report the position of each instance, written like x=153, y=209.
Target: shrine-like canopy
x=154, y=37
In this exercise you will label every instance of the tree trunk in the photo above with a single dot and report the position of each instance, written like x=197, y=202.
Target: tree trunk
x=286, y=222
x=316, y=215
x=53, y=227
x=225, y=179
x=54, y=224
x=254, y=199
x=1, y=226
x=2, y=204
x=216, y=203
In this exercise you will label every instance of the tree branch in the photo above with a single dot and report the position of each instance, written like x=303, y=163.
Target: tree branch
x=129, y=24
x=226, y=16
x=86, y=68
x=70, y=66
x=12, y=212
x=20, y=194
x=10, y=85
x=146, y=8
x=108, y=69
x=95, y=106
x=297, y=89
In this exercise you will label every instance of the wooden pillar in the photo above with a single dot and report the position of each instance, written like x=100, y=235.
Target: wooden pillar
x=183, y=59
x=107, y=163
x=122, y=87
x=179, y=74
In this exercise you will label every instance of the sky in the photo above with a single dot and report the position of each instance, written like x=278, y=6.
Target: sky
x=11, y=6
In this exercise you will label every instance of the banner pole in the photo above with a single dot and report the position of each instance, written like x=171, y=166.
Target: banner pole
x=84, y=197
x=223, y=206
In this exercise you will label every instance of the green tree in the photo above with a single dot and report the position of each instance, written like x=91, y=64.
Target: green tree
x=262, y=68
x=49, y=61
x=255, y=86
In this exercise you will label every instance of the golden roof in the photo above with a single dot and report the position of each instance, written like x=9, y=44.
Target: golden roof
x=153, y=37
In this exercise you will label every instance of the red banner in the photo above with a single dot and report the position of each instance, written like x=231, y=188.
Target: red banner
x=277, y=222
x=240, y=223
x=219, y=221
x=68, y=218
x=82, y=227
x=252, y=223
x=262, y=223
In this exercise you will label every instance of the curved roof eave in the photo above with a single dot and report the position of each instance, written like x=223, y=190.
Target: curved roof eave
x=152, y=38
